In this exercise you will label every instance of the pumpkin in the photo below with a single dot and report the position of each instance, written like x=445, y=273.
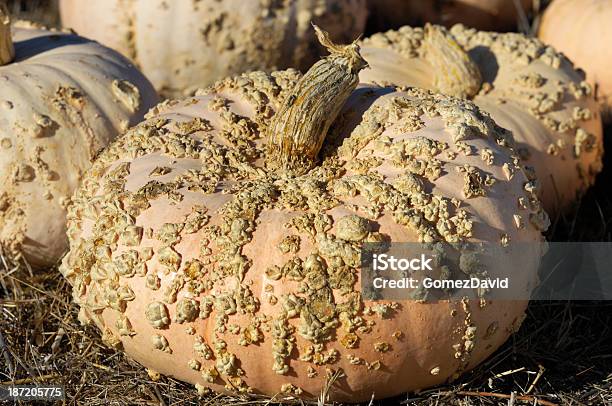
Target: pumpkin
x=183, y=45
x=497, y=15
x=62, y=99
x=575, y=28
x=218, y=241
x=526, y=86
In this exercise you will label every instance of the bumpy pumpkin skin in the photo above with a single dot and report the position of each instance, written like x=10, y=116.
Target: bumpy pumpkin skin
x=182, y=45
x=527, y=88
x=581, y=29
x=205, y=265
x=62, y=99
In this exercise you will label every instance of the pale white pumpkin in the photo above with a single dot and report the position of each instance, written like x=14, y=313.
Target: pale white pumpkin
x=184, y=44
x=581, y=29
x=526, y=86
x=62, y=99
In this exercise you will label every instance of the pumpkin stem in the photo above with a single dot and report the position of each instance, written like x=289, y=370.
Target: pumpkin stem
x=455, y=72
x=299, y=127
x=7, y=51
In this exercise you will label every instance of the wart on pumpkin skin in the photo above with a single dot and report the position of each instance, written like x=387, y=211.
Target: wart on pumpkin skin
x=536, y=94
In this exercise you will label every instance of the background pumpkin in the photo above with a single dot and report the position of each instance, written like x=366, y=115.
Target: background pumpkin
x=581, y=30
x=183, y=45
x=62, y=99
x=526, y=86
x=495, y=15
x=168, y=229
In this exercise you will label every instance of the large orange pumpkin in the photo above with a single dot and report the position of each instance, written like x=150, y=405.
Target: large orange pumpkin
x=184, y=44
x=526, y=86
x=218, y=242
x=581, y=30
x=62, y=99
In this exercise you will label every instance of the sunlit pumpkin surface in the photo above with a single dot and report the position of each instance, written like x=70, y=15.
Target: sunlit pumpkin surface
x=208, y=252
x=62, y=99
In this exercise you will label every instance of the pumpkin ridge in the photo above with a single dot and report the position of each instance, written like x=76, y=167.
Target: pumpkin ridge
x=129, y=7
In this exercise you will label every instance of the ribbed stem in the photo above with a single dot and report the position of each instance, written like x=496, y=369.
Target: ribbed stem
x=454, y=71
x=298, y=129
x=7, y=50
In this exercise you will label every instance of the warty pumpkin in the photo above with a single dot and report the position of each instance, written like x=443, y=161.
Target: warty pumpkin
x=496, y=15
x=581, y=30
x=62, y=99
x=218, y=241
x=526, y=86
x=182, y=45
